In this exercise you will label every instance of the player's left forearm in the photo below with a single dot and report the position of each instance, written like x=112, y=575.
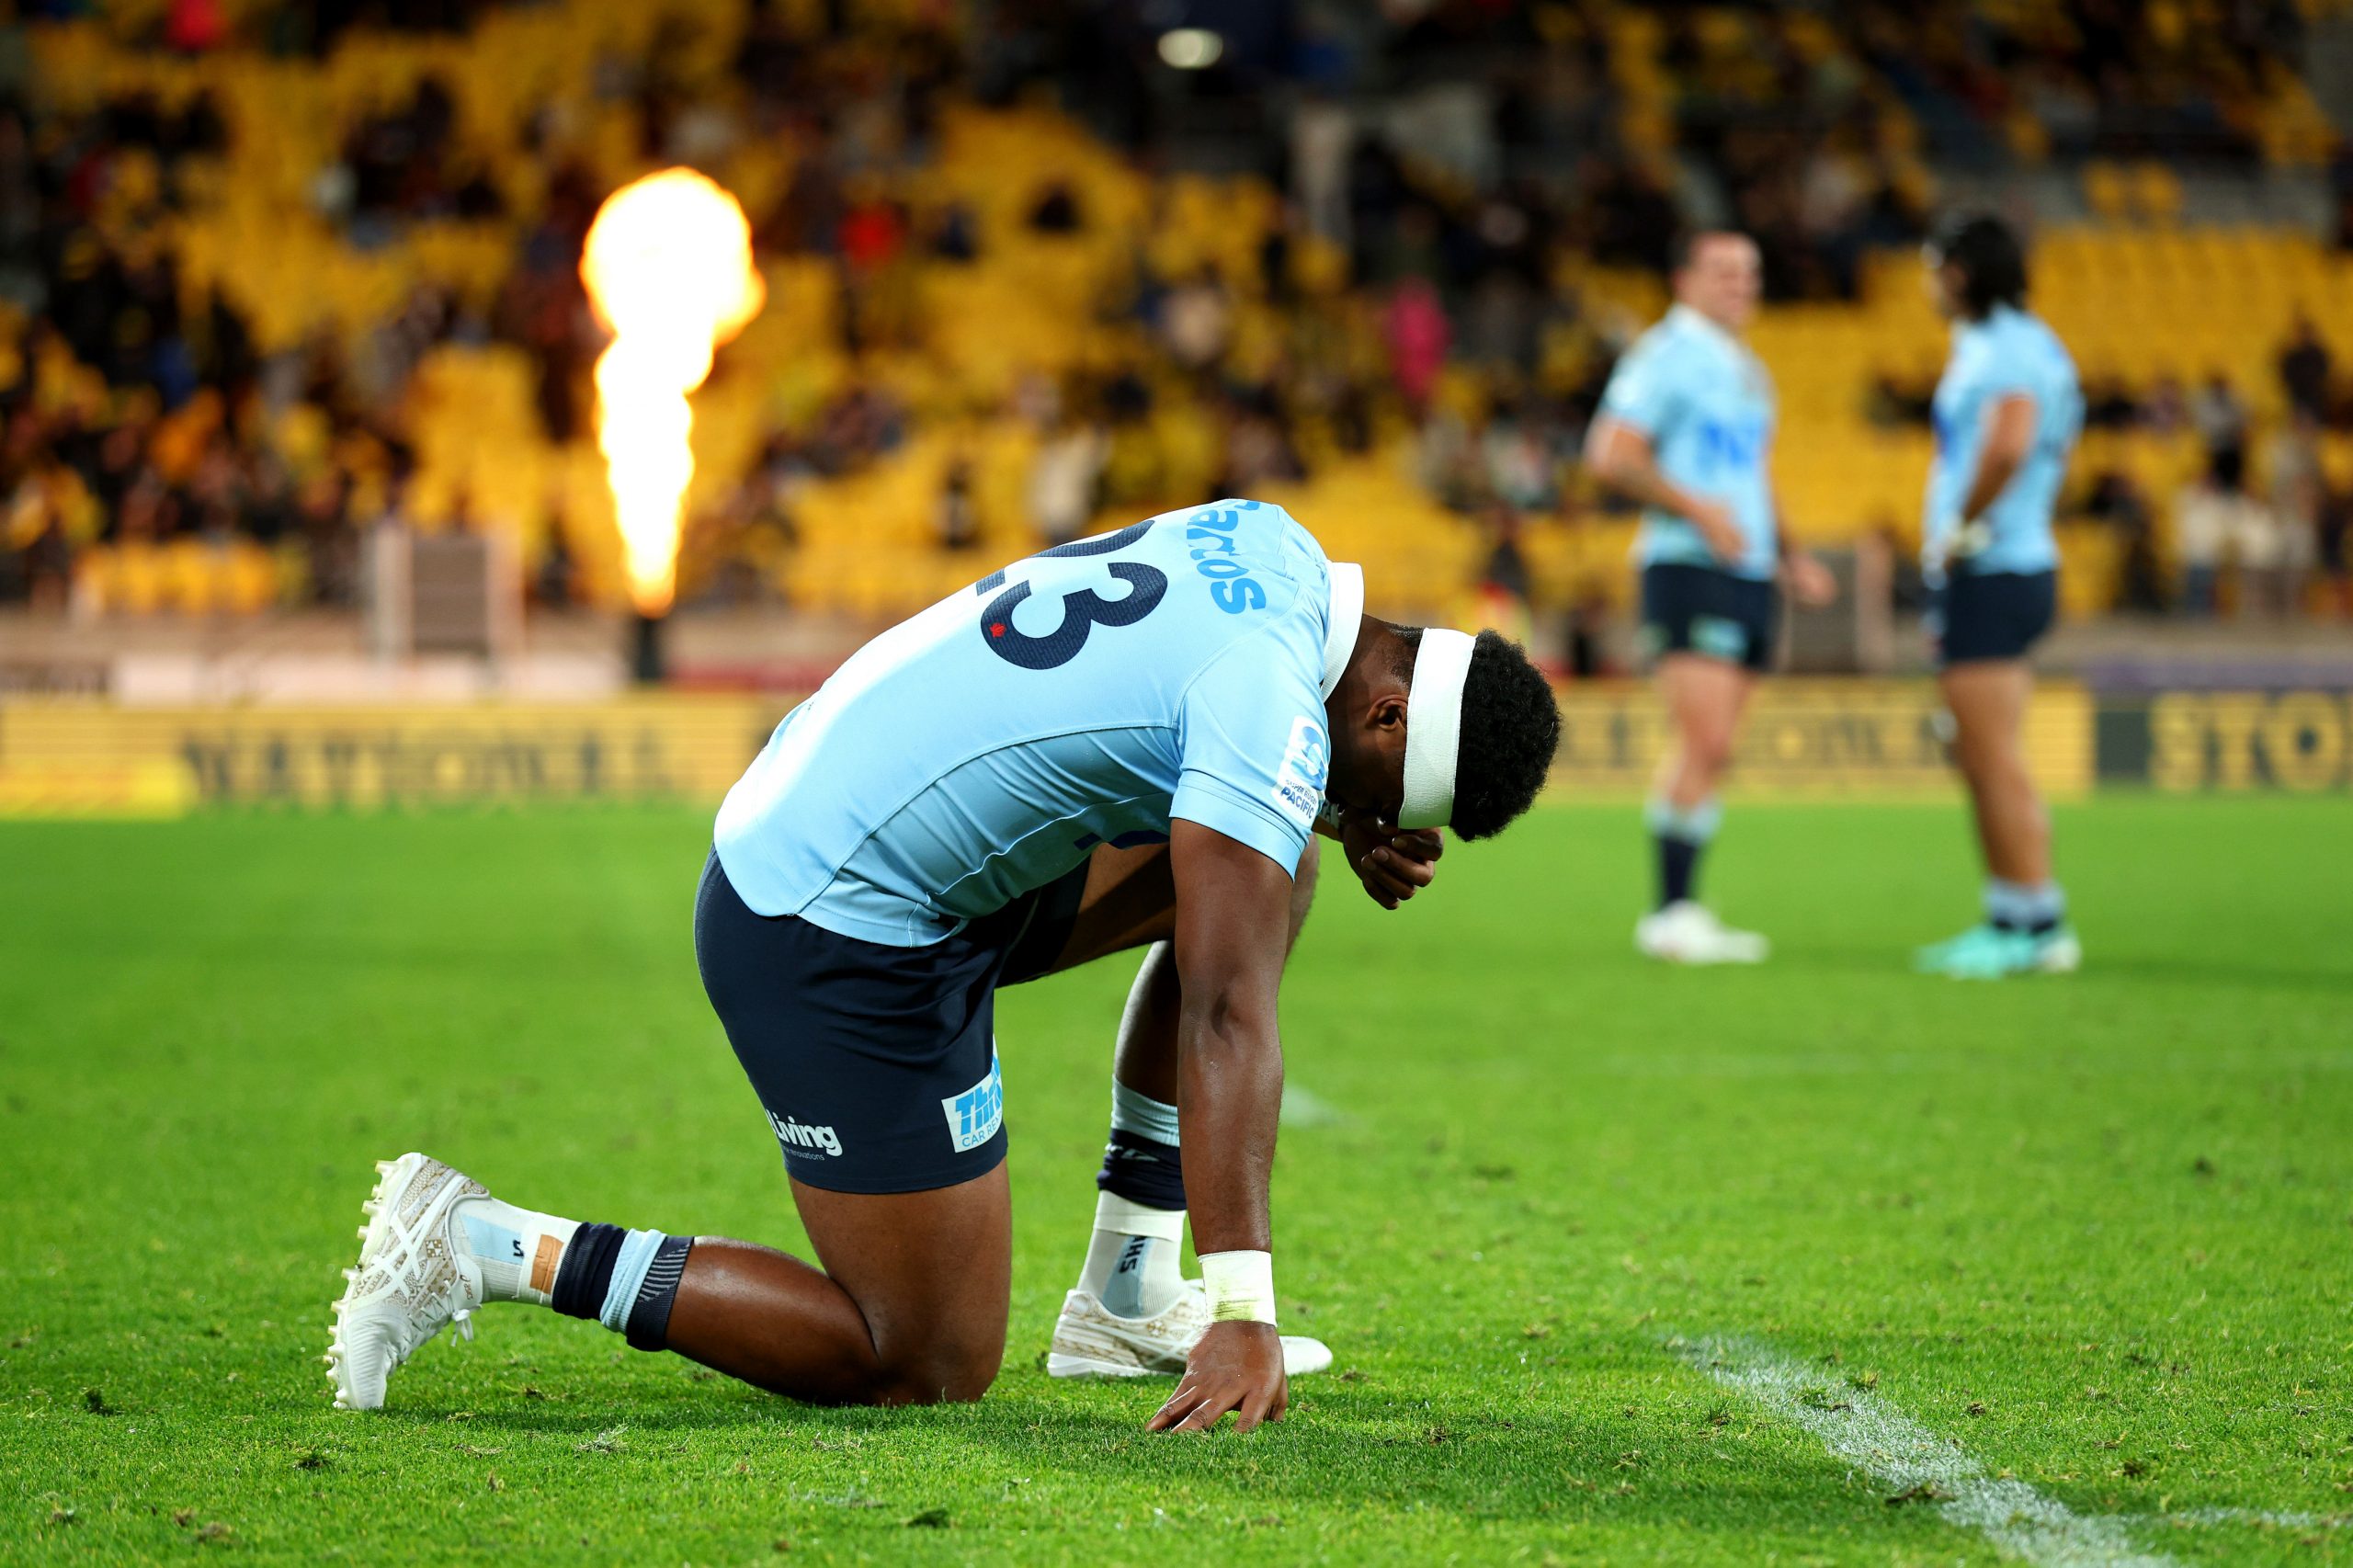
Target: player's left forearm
x=2009, y=430
x=1229, y=1095
x=1233, y=911
x=1784, y=542
x=1993, y=476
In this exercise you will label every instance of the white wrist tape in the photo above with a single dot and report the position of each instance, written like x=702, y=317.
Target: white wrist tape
x=1241, y=1286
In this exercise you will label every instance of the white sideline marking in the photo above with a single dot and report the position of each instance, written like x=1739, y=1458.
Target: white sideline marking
x=1897, y=1451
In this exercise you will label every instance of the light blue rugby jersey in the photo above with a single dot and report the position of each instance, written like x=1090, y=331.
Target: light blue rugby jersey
x=1707, y=405
x=1087, y=695
x=2008, y=353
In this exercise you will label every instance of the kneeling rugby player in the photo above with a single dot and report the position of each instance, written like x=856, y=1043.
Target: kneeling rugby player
x=1123, y=743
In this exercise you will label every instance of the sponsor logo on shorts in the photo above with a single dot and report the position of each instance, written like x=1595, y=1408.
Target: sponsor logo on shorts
x=795, y=1135
x=974, y=1116
x=1299, y=782
x=1713, y=634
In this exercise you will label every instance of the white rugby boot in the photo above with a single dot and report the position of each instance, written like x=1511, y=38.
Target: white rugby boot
x=1689, y=932
x=413, y=1278
x=1091, y=1341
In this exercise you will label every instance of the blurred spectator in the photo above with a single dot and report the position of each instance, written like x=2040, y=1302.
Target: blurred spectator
x=556, y=582
x=2340, y=184
x=49, y=562
x=2117, y=503
x=1064, y=478
x=1504, y=588
x=1419, y=339
x=1057, y=211
x=1516, y=458
x=2164, y=410
x=953, y=235
x=1587, y=637
x=2336, y=560
x=1258, y=450
x=1907, y=590
x=2304, y=366
x=2204, y=519
x=959, y=524
x=862, y=423
x=1892, y=401
x=2109, y=403
x=2298, y=495
x=2259, y=549
x=1195, y=318
x=2217, y=522
x=2220, y=418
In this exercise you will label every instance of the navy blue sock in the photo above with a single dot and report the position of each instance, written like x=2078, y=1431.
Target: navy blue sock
x=2017, y=906
x=1143, y=1170
x=584, y=1282
x=1678, y=868
x=649, y=1316
x=587, y=1273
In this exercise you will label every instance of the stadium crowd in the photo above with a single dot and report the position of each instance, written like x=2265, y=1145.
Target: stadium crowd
x=1442, y=274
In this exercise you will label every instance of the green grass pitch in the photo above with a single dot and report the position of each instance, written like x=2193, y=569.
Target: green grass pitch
x=2097, y=1231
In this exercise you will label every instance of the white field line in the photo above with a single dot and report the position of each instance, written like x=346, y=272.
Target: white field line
x=1304, y=1108
x=2266, y=1518
x=1882, y=1442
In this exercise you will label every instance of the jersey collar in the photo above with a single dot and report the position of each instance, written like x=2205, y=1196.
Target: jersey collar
x=1689, y=320
x=1341, y=622
x=1967, y=331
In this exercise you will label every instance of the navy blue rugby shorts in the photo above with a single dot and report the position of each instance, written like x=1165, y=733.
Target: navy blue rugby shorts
x=877, y=1065
x=1697, y=609
x=1991, y=615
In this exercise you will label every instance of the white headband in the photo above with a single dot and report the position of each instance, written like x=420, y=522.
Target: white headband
x=1434, y=727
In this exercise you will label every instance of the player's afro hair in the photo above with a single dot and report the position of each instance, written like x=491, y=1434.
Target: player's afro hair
x=1511, y=726
x=1991, y=262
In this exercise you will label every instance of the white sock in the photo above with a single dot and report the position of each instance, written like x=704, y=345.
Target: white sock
x=1132, y=1260
x=518, y=1250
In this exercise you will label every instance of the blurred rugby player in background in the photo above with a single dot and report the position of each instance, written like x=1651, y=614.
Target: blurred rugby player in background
x=2007, y=412
x=1686, y=430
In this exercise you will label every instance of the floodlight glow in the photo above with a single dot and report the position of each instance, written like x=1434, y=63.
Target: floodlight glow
x=1191, y=49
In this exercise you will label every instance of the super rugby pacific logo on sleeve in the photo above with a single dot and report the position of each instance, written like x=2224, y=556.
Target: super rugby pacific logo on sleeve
x=1299, y=782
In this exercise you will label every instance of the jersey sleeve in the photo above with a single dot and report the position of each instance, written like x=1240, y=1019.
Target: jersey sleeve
x=2005, y=367
x=1254, y=753
x=1644, y=390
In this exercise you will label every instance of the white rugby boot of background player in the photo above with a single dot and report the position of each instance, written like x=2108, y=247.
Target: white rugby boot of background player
x=1689, y=932
x=415, y=1278
x=1092, y=1341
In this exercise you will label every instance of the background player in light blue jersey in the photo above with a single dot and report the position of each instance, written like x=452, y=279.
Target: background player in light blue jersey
x=2007, y=412
x=1126, y=741
x=1685, y=428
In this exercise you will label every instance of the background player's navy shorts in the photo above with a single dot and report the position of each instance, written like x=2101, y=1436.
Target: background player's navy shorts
x=877, y=1065
x=1697, y=609
x=1991, y=615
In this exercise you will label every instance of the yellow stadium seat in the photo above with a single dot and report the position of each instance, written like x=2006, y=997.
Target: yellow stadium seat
x=2106, y=191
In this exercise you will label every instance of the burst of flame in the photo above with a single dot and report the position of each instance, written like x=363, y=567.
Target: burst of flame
x=668, y=266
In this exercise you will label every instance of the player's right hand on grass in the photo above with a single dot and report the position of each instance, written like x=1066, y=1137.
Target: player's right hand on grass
x=1714, y=522
x=1392, y=863
x=1236, y=1366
